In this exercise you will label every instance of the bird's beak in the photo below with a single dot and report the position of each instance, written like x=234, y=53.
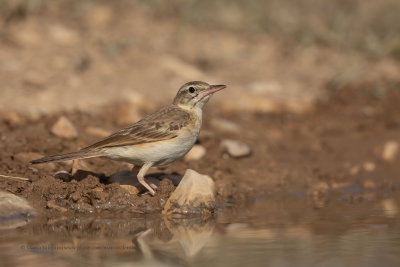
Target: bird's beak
x=212, y=89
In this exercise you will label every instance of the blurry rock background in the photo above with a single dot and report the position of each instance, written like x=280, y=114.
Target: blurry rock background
x=82, y=54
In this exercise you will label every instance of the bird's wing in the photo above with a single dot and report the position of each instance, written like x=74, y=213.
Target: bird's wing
x=161, y=125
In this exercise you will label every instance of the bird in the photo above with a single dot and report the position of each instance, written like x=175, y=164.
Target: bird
x=157, y=139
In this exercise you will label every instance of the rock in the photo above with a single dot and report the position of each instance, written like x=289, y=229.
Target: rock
x=196, y=153
x=51, y=204
x=194, y=196
x=235, y=148
x=95, y=131
x=130, y=189
x=64, y=128
x=390, y=150
x=225, y=125
x=14, y=211
x=369, y=166
x=11, y=117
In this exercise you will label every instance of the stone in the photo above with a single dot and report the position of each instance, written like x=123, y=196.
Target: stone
x=64, y=128
x=196, y=153
x=225, y=125
x=11, y=117
x=235, y=148
x=390, y=150
x=14, y=211
x=51, y=204
x=96, y=131
x=194, y=196
x=369, y=166
x=133, y=190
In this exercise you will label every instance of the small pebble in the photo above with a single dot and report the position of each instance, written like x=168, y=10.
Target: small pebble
x=64, y=128
x=235, y=148
x=390, y=150
x=130, y=189
x=369, y=166
x=196, y=153
x=11, y=117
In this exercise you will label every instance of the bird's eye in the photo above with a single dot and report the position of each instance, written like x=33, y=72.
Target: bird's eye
x=191, y=90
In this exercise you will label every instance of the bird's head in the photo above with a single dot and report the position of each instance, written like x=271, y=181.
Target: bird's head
x=195, y=94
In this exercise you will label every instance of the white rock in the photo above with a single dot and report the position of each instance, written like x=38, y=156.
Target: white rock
x=14, y=211
x=235, y=148
x=64, y=128
x=390, y=150
x=196, y=153
x=225, y=125
x=195, y=195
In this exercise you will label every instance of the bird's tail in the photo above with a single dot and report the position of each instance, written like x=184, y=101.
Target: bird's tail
x=81, y=154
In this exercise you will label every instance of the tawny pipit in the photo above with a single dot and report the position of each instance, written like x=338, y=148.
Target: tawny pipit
x=158, y=139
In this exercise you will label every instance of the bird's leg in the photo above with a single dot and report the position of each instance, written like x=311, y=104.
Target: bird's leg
x=136, y=170
x=140, y=177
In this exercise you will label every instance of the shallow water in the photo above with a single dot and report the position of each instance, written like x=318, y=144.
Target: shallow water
x=287, y=231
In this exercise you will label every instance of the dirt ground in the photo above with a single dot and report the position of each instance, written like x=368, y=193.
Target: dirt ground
x=337, y=148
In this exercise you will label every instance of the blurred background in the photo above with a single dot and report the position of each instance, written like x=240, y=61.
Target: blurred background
x=273, y=55
x=312, y=110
